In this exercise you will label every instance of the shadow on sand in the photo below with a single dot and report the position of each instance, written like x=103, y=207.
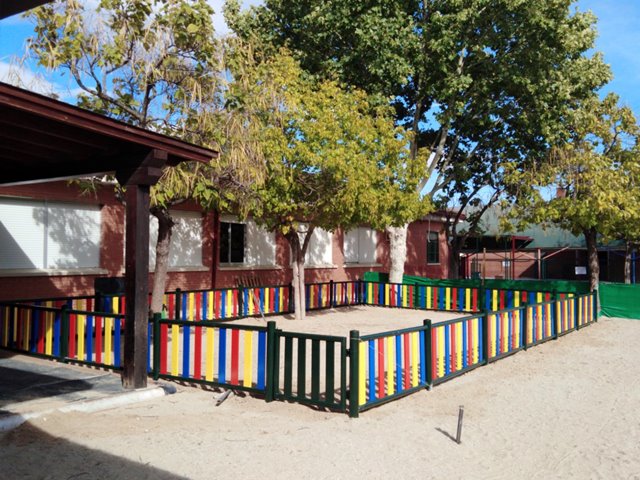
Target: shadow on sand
x=28, y=452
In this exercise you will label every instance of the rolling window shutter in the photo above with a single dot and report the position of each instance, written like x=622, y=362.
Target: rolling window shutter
x=73, y=236
x=22, y=230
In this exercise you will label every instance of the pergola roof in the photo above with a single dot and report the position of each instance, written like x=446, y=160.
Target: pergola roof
x=13, y=7
x=42, y=139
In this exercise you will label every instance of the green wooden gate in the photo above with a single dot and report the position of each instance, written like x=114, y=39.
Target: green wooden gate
x=319, y=379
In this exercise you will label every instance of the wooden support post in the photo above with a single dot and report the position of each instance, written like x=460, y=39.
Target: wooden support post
x=144, y=172
x=134, y=373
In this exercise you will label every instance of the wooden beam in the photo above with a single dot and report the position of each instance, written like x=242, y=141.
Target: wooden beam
x=11, y=133
x=147, y=172
x=39, y=126
x=138, y=181
x=134, y=373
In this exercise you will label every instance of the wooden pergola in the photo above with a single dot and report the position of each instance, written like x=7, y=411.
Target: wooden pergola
x=13, y=7
x=42, y=140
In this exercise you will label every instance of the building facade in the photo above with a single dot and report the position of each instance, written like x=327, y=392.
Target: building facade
x=55, y=241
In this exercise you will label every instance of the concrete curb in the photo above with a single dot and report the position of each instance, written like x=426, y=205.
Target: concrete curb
x=9, y=422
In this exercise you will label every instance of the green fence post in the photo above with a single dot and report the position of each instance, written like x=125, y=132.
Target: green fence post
x=554, y=319
x=485, y=336
x=178, y=309
x=64, y=333
x=270, y=386
x=98, y=303
x=361, y=295
x=428, y=353
x=332, y=296
x=156, y=345
x=595, y=305
x=576, y=316
x=354, y=383
x=527, y=321
x=241, y=301
x=290, y=306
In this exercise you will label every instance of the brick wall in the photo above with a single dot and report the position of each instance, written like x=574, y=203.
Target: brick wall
x=112, y=253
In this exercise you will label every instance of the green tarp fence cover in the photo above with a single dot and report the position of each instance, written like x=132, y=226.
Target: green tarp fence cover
x=620, y=300
x=616, y=299
x=562, y=286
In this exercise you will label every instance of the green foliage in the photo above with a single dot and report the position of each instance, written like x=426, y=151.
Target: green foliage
x=332, y=158
x=598, y=171
x=146, y=63
x=479, y=83
x=155, y=64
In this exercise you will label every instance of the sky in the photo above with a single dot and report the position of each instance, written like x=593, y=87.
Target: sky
x=618, y=27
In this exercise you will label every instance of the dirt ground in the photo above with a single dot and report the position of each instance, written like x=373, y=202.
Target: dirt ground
x=365, y=319
x=566, y=409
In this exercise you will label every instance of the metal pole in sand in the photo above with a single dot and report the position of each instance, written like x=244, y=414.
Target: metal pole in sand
x=459, y=434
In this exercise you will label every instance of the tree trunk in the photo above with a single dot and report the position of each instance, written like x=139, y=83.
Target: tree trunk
x=165, y=226
x=592, y=256
x=455, y=245
x=627, y=263
x=397, y=252
x=297, y=261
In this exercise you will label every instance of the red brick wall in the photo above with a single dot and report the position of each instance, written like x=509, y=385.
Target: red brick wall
x=112, y=253
x=416, y=263
x=111, y=247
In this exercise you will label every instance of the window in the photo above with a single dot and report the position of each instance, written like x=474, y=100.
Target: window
x=231, y=242
x=246, y=243
x=359, y=245
x=433, y=247
x=48, y=235
x=186, y=240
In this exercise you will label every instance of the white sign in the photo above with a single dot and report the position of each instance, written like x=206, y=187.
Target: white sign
x=581, y=270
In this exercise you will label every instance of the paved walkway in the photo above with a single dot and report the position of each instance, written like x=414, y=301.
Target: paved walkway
x=30, y=387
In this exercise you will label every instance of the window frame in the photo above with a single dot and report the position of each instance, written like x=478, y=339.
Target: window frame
x=227, y=262
x=429, y=250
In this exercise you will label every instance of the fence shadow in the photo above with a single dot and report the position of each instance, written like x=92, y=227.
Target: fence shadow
x=61, y=458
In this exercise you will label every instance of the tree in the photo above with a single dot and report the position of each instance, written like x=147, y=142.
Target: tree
x=597, y=174
x=333, y=160
x=155, y=64
x=479, y=82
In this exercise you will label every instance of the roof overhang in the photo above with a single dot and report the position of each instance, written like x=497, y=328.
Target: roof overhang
x=42, y=139
x=13, y=7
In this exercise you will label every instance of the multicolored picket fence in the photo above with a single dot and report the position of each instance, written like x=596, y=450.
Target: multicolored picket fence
x=448, y=299
x=221, y=355
x=80, y=336
x=392, y=364
x=389, y=364
x=312, y=369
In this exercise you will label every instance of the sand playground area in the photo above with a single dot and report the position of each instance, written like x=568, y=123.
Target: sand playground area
x=566, y=409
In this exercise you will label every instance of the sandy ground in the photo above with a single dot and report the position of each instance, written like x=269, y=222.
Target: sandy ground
x=365, y=319
x=566, y=409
